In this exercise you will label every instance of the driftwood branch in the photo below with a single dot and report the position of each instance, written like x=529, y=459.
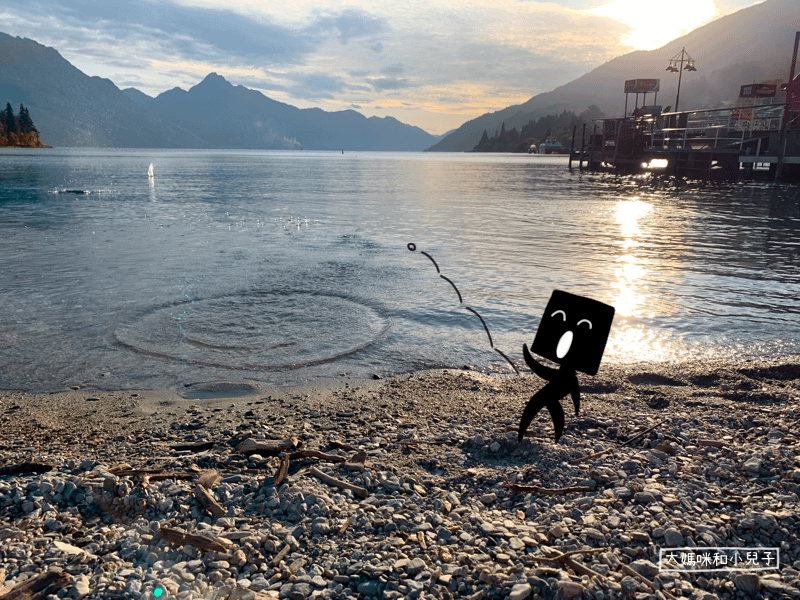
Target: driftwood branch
x=628, y=571
x=340, y=445
x=581, y=459
x=638, y=435
x=344, y=485
x=566, y=559
x=283, y=470
x=196, y=447
x=560, y=557
x=280, y=555
x=267, y=447
x=38, y=587
x=154, y=475
x=535, y=489
x=28, y=467
x=335, y=458
x=345, y=525
x=208, y=501
x=176, y=537
x=761, y=492
x=712, y=443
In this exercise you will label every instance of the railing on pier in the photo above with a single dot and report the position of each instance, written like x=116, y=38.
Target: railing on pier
x=723, y=128
x=722, y=134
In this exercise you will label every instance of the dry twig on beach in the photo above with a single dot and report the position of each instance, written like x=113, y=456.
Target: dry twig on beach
x=27, y=467
x=176, y=537
x=535, y=489
x=586, y=457
x=344, y=485
x=208, y=501
x=38, y=587
x=282, y=472
x=267, y=447
x=335, y=458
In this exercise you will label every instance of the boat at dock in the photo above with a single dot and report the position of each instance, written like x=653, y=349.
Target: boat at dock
x=552, y=146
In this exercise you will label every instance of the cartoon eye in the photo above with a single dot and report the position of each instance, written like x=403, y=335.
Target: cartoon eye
x=563, y=314
x=585, y=321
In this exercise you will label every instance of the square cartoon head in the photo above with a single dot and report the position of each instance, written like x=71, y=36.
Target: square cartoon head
x=574, y=331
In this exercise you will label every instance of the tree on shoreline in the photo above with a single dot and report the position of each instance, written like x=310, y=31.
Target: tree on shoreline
x=18, y=130
x=558, y=126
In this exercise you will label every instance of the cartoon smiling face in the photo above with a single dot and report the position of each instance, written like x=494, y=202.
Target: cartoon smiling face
x=574, y=331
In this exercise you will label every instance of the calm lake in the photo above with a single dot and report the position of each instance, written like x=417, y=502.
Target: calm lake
x=288, y=267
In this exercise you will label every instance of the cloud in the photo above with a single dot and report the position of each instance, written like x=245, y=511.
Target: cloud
x=393, y=70
x=451, y=61
x=352, y=24
x=380, y=84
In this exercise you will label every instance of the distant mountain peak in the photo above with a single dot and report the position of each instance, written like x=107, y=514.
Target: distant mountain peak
x=215, y=80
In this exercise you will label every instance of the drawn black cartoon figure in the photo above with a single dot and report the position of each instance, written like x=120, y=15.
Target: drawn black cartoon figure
x=573, y=333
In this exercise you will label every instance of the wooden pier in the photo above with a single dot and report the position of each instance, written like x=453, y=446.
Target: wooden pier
x=732, y=142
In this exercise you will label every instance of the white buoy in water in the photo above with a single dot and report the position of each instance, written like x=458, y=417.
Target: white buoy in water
x=150, y=171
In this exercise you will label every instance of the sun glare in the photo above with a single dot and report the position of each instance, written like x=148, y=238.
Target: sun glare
x=655, y=24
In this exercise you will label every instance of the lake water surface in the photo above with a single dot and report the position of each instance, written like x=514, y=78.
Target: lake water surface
x=287, y=267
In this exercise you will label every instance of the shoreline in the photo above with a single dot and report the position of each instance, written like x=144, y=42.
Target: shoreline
x=660, y=456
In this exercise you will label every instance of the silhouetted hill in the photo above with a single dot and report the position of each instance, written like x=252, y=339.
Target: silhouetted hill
x=229, y=116
x=752, y=45
x=138, y=97
x=73, y=109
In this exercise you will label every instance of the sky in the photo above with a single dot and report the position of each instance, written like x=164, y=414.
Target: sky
x=430, y=63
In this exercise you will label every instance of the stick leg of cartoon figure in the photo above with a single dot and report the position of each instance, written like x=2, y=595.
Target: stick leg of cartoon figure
x=549, y=397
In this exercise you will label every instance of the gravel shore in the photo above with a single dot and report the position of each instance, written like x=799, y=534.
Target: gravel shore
x=409, y=487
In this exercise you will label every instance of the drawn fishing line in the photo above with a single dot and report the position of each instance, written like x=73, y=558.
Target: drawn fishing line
x=412, y=247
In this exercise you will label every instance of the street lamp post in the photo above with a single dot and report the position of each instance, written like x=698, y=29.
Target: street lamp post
x=676, y=66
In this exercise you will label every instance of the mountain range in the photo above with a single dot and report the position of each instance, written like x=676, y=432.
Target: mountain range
x=752, y=45
x=72, y=109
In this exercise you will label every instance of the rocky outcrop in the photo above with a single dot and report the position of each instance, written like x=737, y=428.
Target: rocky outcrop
x=22, y=140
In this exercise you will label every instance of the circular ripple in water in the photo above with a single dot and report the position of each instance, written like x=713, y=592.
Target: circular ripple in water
x=258, y=331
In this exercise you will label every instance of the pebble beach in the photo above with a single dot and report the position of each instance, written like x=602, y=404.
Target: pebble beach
x=406, y=487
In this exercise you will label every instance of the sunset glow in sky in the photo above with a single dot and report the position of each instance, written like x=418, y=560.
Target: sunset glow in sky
x=430, y=63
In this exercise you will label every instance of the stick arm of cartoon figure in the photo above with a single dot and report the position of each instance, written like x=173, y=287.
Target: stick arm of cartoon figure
x=542, y=371
x=575, y=391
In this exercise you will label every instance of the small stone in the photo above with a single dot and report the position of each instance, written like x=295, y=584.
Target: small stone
x=401, y=564
x=487, y=528
x=494, y=447
x=628, y=585
x=645, y=568
x=415, y=567
x=779, y=589
x=644, y=497
x=516, y=544
x=520, y=591
x=673, y=538
x=489, y=498
x=570, y=589
x=752, y=465
x=595, y=534
x=556, y=531
x=369, y=588
x=749, y=583
x=300, y=591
